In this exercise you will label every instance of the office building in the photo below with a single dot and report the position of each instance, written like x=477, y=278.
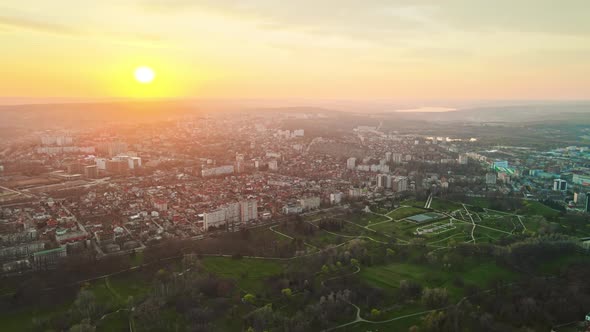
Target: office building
x=579, y=198
x=491, y=178
x=91, y=172
x=581, y=179
x=351, y=163
x=381, y=180
x=220, y=170
x=559, y=185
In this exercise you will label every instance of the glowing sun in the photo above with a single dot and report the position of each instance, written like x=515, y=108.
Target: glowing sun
x=144, y=75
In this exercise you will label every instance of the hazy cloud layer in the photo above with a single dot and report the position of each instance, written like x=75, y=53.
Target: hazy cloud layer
x=35, y=25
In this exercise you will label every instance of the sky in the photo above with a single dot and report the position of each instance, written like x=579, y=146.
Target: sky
x=354, y=49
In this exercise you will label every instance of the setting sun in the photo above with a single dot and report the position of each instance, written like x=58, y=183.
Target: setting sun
x=144, y=75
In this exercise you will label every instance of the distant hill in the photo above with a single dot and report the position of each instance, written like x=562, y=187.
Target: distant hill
x=71, y=115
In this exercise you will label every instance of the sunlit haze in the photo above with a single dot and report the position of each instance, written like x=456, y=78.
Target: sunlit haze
x=294, y=166
x=452, y=49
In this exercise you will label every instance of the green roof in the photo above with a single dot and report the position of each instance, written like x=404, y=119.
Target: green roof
x=48, y=251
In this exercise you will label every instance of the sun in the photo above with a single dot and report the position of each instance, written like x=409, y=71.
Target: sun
x=144, y=75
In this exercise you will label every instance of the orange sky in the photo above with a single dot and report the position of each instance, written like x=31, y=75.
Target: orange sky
x=453, y=49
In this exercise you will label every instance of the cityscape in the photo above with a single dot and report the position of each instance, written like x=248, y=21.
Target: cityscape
x=265, y=167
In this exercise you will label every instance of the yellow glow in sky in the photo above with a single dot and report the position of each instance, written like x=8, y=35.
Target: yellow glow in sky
x=144, y=75
x=424, y=49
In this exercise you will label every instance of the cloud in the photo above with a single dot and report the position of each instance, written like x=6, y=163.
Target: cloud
x=8, y=23
x=34, y=25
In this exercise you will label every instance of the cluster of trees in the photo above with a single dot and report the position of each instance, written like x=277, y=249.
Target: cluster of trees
x=315, y=316
x=331, y=224
x=193, y=298
x=538, y=304
x=554, y=205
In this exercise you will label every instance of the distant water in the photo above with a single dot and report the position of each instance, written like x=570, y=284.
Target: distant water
x=427, y=110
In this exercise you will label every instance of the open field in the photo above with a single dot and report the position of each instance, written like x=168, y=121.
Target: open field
x=404, y=212
x=537, y=208
x=249, y=274
x=388, y=277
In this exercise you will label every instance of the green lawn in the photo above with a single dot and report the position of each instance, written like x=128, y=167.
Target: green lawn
x=389, y=276
x=445, y=205
x=249, y=273
x=536, y=208
x=365, y=219
x=401, y=325
x=400, y=229
x=414, y=203
x=404, y=212
x=115, y=322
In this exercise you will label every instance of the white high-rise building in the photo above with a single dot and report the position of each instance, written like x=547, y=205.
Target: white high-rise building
x=396, y=157
x=400, y=183
x=310, y=203
x=381, y=180
x=559, y=185
x=388, y=182
x=351, y=163
x=220, y=170
x=232, y=212
x=273, y=165
x=298, y=133
x=463, y=159
x=248, y=210
x=336, y=198
x=491, y=178
x=214, y=218
x=388, y=156
x=134, y=162
x=101, y=163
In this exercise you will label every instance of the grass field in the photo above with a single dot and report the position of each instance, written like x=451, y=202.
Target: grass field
x=404, y=212
x=397, y=325
x=249, y=274
x=444, y=205
x=536, y=208
x=389, y=276
x=365, y=219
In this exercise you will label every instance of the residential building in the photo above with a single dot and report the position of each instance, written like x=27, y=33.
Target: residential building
x=249, y=210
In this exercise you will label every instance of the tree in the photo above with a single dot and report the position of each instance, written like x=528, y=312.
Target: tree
x=435, y=297
x=249, y=298
x=390, y=253
x=409, y=289
x=287, y=292
x=434, y=321
x=85, y=303
x=83, y=326
x=354, y=262
x=375, y=313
